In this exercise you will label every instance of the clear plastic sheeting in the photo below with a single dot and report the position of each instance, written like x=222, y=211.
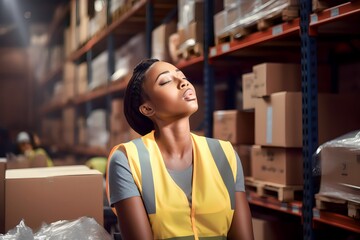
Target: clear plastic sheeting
x=84, y=228
x=337, y=163
x=249, y=12
x=20, y=232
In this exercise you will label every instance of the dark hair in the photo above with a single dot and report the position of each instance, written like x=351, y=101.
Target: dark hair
x=134, y=97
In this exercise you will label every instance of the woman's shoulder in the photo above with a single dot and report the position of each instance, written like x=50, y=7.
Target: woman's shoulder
x=210, y=138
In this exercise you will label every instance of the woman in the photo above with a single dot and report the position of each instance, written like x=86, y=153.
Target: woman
x=171, y=183
x=29, y=146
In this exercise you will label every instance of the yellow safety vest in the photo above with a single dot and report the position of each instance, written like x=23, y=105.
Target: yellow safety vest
x=213, y=189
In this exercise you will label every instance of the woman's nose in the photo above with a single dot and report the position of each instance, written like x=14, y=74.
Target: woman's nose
x=184, y=83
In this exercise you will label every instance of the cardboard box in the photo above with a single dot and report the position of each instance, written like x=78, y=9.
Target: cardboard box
x=16, y=162
x=2, y=194
x=234, y=126
x=40, y=195
x=277, y=165
x=278, y=119
x=271, y=228
x=173, y=43
x=83, y=29
x=276, y=77
x=244, y=152
x=160, y=41
x=83, y=8
x=196, y=31
x=117, y=106
x=248, y=88
x=190, y=11
x=223, y=21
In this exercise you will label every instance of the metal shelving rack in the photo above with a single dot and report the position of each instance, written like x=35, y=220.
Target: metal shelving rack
x=209, y=84
x=305, y=26
x=309, y=113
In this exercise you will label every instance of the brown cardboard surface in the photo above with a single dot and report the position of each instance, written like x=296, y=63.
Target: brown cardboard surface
x=276, y=77
x=2, y=194
x=248, y=95
x=50, y=194
x=244, y=152
x=277, y=165
x=16, y=162
x=275, y=229
x=196, y=31
x=117, y=106
x=160, y=41
x=234, y=126
x=278, y=118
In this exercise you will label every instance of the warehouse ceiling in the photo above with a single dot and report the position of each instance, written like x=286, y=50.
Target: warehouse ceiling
x=16, y=17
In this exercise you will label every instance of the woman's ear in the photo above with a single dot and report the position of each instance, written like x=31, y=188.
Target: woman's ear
x=146, y=109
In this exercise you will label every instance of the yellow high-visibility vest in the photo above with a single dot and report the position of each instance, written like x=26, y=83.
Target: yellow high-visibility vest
x=213, y=189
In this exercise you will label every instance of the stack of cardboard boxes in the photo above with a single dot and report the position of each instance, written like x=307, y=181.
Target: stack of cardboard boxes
x=272, y=92
x=190, y=26
x=236, y=127
x=160, y=41
x=275, y=95
x=46, y=195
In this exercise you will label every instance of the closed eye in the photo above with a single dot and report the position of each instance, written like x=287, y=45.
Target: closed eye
x=165, y=82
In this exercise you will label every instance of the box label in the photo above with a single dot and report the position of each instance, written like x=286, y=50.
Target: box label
x=269, y=117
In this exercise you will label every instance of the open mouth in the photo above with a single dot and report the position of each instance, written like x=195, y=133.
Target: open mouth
x=189, y=95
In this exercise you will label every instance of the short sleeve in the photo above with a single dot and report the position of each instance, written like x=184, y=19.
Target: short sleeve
x=239, y=185
x=121, y=181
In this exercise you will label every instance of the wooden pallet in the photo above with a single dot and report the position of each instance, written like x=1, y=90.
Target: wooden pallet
x=285, y=15
x=123, y=9
x=235, y=33
x=319, y=5
x=338, y=205
x=283, y=193
x=189, y=50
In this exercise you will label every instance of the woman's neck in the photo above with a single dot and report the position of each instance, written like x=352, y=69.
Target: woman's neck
x=175, y=144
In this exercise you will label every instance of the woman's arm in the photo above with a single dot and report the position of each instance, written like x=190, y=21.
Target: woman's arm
x=133, y=219
x=241, y=226
x=126, y=199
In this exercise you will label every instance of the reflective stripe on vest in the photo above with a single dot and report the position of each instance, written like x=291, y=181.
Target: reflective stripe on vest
x=148, y=182
x=173, y=216
x=146, y=176
x=223, y=167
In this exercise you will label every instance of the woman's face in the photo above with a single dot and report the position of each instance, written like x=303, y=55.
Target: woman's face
x=25, y=146
x=169, y=92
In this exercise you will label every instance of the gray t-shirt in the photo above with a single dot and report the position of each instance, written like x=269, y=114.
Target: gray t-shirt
x=122, y=185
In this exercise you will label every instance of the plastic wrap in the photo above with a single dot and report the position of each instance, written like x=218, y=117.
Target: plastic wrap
x=20, y=232
x=337, y=164
x=84, y=228
x=249, y=12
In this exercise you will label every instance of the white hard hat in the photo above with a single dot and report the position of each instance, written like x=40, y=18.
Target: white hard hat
x=23, y=137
